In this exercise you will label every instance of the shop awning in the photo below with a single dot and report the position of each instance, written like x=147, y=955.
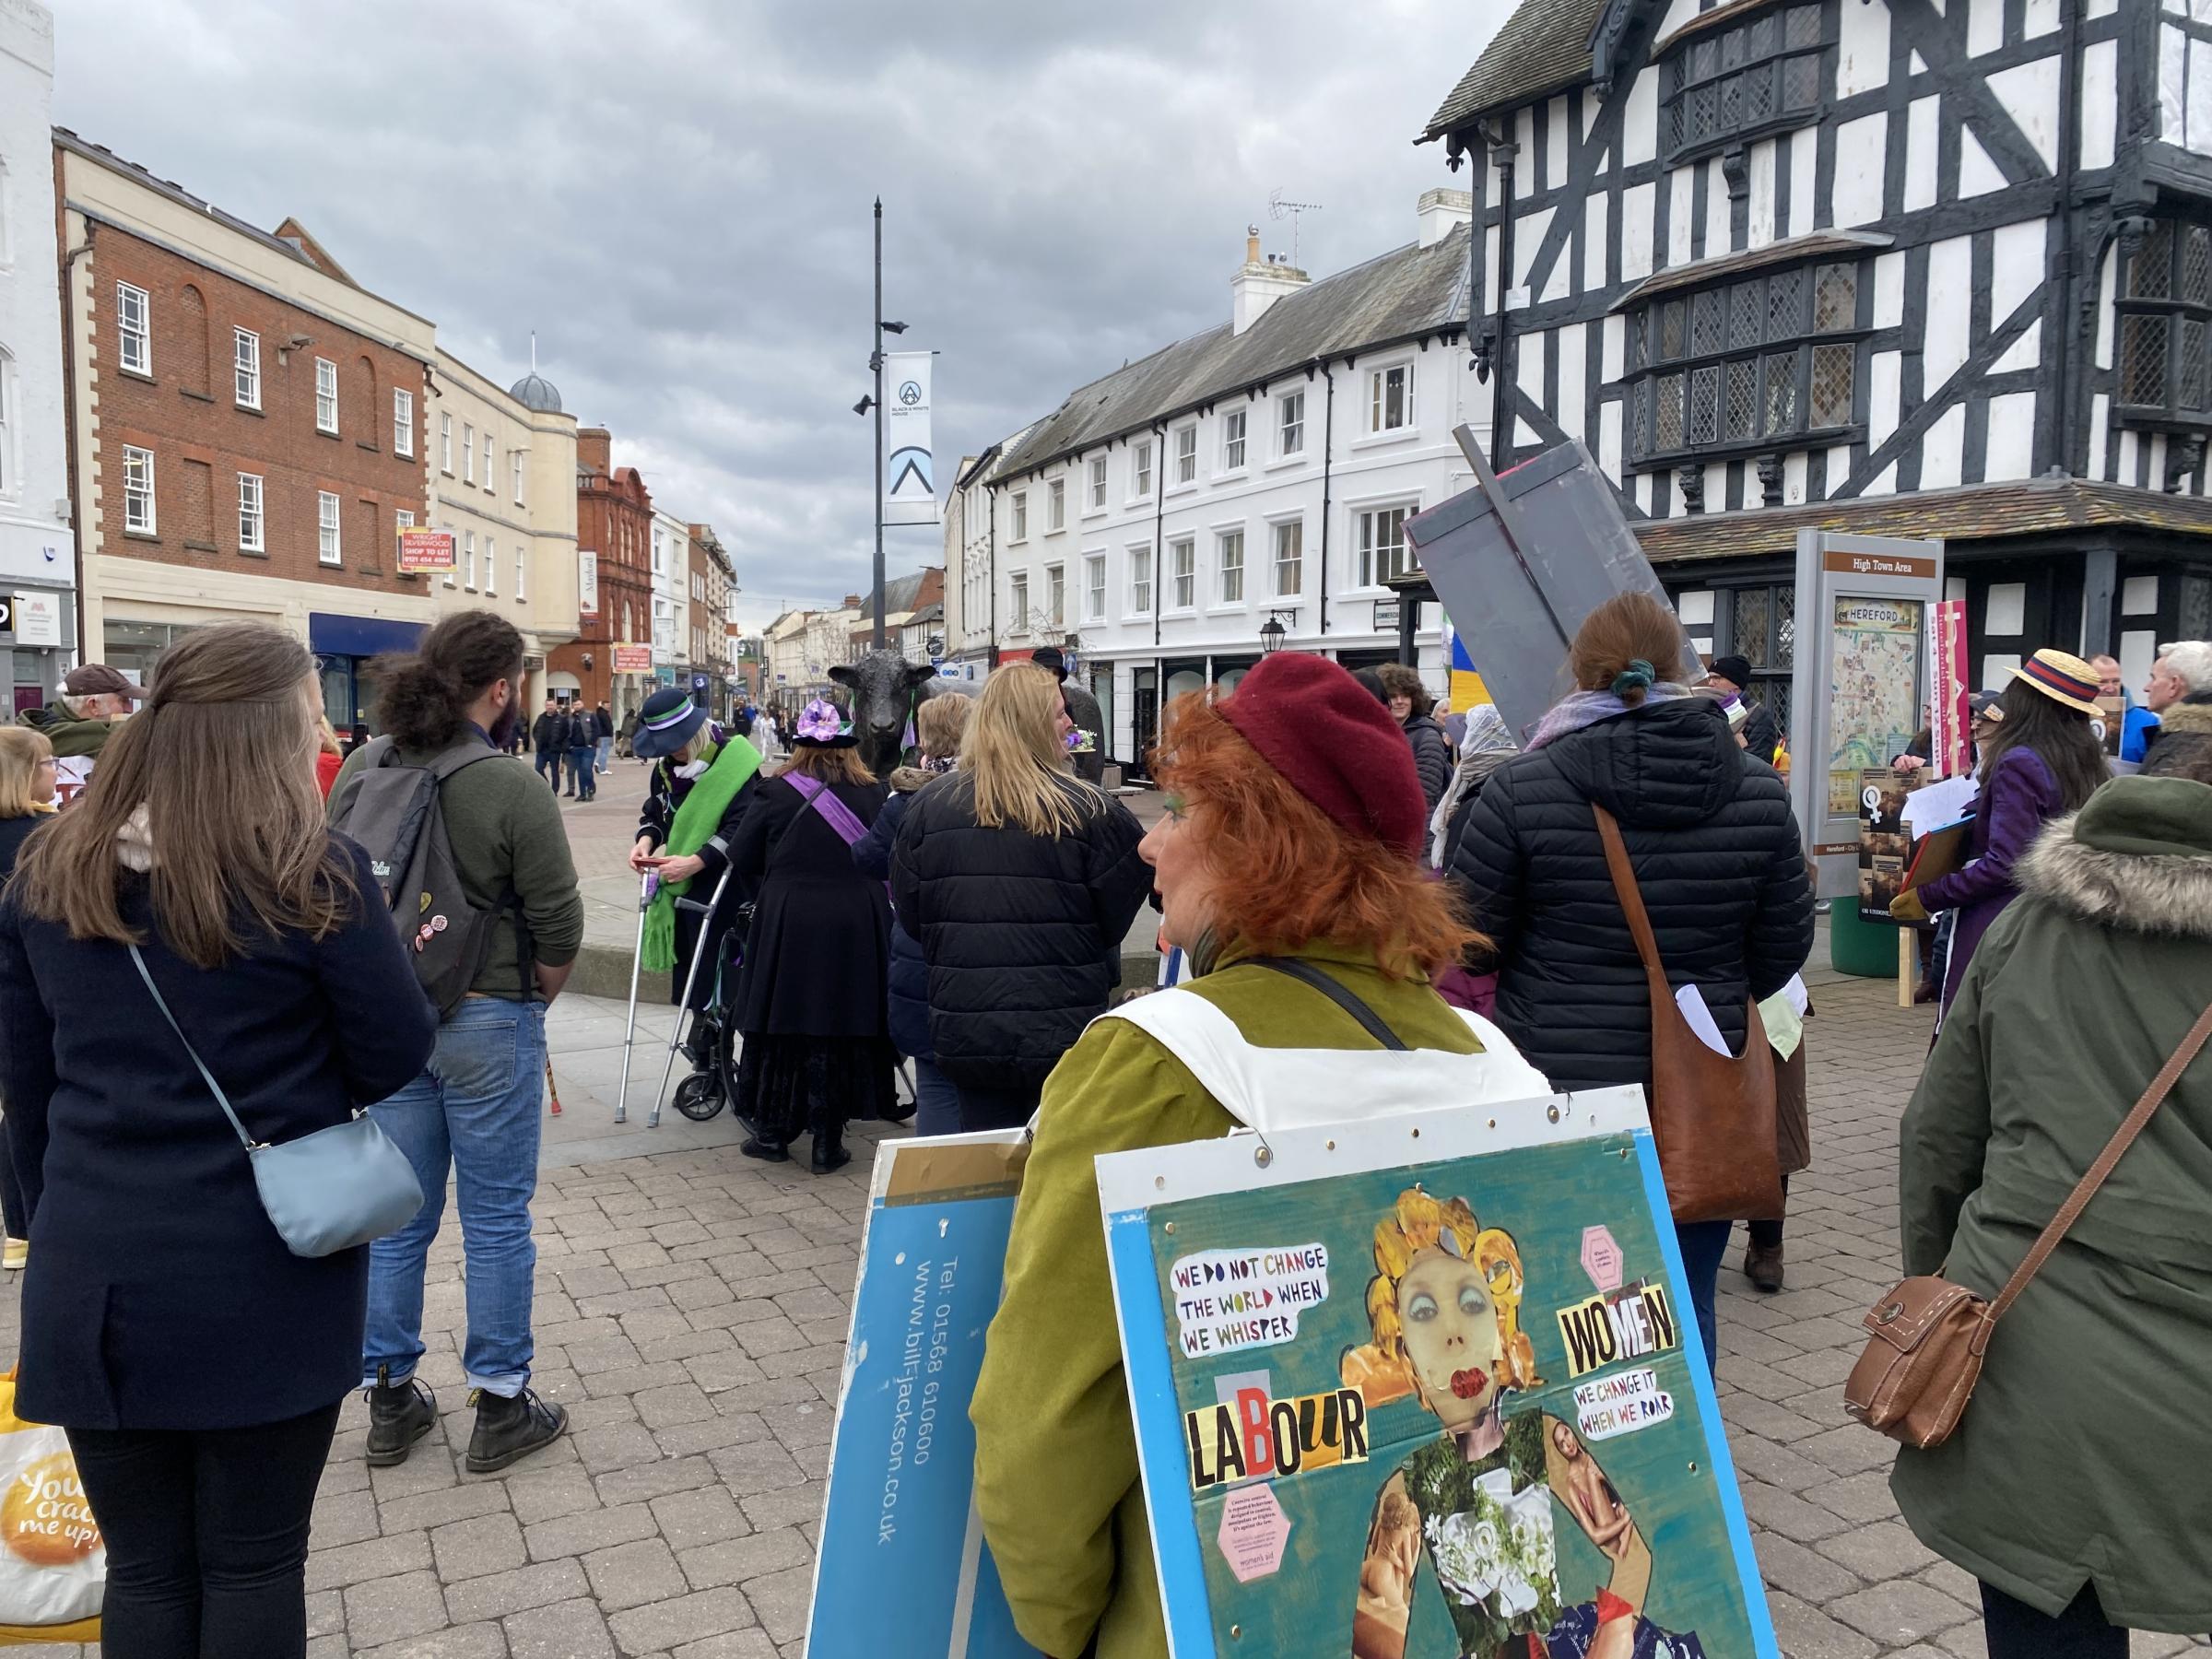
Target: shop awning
x=330, y=634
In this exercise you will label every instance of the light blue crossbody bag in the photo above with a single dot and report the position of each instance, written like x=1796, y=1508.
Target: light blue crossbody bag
x=325, y=1192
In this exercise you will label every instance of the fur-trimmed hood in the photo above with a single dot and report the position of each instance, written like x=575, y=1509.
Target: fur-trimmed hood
x=2137, y=857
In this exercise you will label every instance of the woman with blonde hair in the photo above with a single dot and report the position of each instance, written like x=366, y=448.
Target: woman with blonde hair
x=939, y=724
x=196, y=1364
x=810, y=1006
x=1020, y=880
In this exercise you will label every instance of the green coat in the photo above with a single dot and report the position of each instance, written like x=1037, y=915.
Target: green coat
x=71, y=738
x=1055, y=1454
x=2082, y=1455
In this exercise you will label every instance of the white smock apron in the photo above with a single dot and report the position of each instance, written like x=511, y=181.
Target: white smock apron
x=1275, y=1088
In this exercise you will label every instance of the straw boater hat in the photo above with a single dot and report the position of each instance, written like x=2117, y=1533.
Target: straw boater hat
x=2063, y=677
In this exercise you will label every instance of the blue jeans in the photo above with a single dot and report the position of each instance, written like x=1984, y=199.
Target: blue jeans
x=1704, y=1244
x=581, y=778
x=476, y=1108
x=606, y=752
x=937, y=1102
x=548, y=765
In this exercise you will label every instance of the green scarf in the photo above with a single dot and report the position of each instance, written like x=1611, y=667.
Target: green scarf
x=729, y=768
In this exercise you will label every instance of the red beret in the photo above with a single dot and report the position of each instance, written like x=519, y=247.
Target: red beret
x=1337, y=745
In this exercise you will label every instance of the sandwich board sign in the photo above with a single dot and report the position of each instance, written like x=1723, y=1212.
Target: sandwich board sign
x=1520, y=560
x=1864, y=649
x=1428, y=1386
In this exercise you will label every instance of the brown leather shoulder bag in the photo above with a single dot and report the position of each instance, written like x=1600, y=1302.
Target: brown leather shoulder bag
x=1926, y=1338
x=1712, y=1116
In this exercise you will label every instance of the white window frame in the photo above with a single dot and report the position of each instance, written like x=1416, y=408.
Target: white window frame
x=1140, y=471
x=1055, y=506
x=1186, y=455
x=245, y=366
x=1379, y=398
x=139, y=517
x=1364, y=520
x=1017, y=600
x=1140, y=581
x=522, y=573
x=468, y=453
x=134, y=338
x=1021, y=518
x=468, y=560
x=452, y=577
x=1226, y=543
x=491, y=567
x=1290, y=423
x=446, y=444
x=7, y=401
x=1055, y=596
x=330, y=544
x=1097, y=484
x=403, y=422
x=1236, y=428
x=521, y=456
x=491, y=483
x=1297, y=526
x=326, y=396
x=1094, y=587
x=253, y=524
x=1182, y=565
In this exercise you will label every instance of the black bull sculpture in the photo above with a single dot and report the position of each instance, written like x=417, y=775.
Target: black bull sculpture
x=887, y=690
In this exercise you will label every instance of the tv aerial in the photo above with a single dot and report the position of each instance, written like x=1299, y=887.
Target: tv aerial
x=1279, y=209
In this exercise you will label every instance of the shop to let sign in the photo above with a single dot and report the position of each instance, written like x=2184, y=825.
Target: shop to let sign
x=424, y=550
x=633, y=659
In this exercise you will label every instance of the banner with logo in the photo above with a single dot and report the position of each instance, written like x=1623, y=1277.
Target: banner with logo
x=587, y=583
x=1949, y=710
x=1432, y=1396
x=910, y=491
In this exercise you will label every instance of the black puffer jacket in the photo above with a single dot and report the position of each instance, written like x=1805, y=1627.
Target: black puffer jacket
x=1715, y=848
x=1431, y=757
x=1022, y=933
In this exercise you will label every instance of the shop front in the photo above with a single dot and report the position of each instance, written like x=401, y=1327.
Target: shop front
x=344, y=647
x=37, y=627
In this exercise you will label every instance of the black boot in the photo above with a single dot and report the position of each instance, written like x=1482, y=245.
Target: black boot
x=511, y=1428
x=766, y=1150
x=399, y=1414
x=829, y=1136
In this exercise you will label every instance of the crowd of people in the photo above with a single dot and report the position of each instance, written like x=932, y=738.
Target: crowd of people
x=1354, y=880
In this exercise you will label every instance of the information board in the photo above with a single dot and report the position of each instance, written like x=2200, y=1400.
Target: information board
x=1426, y=1386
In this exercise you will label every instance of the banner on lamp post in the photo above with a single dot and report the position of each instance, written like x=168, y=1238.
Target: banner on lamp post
x=909, y=491
x=587, y=583
x=1948, y=711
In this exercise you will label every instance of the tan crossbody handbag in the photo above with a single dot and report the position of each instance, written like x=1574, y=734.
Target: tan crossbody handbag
x=1927, y=1337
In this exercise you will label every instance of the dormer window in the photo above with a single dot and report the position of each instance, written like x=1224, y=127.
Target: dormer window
x=1725, y=83
x=2165, y=306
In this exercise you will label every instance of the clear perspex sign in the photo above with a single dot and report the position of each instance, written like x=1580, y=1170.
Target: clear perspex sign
x=1426, y=1386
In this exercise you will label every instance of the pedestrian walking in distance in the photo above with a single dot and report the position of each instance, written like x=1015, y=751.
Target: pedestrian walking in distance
x=698, y=795
x=603, y=724
x=1021, y=881
x=549, y=740
x=1715, y=850
x=2041, y=761
x=196, y=1364
x=1410, y=706
x=815, y=1050
x=1289, y=871
x=476, y=1110
x=2069, y=1488
x=939, y=726
x=584, y=751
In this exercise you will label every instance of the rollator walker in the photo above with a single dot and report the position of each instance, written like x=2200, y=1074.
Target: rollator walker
x=713, y=1048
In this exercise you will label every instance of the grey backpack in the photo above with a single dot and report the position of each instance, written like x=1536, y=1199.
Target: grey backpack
x=395, y=811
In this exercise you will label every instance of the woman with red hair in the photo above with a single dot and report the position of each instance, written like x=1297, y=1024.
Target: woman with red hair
x=1289, y=871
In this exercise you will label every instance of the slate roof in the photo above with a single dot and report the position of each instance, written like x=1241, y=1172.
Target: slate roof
x=1542, y=48
x=1976, y=512
x=1398, y=296
x=898, y=594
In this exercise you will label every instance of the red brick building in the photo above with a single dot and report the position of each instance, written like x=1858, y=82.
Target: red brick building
x=614, y=541
x=247, y=428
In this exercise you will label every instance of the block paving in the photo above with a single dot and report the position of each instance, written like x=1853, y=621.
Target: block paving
x=691, y=1315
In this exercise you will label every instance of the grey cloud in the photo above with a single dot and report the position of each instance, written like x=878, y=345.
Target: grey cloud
x=674, y=195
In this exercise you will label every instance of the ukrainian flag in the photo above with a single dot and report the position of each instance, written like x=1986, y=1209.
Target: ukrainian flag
x=1467, y=688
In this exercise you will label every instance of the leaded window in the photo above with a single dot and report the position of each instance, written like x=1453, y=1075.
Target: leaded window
x=1764, y=359
x=1763, y=73
x=2164, y=371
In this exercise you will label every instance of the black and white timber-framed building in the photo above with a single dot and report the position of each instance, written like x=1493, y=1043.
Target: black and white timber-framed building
x=1901, y=267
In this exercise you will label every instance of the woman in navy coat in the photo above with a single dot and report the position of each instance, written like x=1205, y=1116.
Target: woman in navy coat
x=196, y=1364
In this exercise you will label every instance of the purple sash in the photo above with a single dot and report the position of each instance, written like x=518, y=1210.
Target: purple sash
x=835, y=813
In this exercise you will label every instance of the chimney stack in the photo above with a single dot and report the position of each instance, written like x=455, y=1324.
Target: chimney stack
x=1439, y=212
x=1260, y=284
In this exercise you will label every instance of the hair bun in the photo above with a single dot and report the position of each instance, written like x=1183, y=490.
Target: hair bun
x=1638, y=674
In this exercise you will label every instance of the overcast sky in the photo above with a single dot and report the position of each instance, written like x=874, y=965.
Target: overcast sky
x=674, y=194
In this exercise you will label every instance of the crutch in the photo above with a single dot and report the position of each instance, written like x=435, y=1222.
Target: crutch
x=646, y=885
x=706, y=916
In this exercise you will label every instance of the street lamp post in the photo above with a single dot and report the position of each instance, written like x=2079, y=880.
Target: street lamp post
x=875, y=402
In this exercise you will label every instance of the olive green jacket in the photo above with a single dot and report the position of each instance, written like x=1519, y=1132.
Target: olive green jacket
x=2081, y=1456
x=1055, y=1456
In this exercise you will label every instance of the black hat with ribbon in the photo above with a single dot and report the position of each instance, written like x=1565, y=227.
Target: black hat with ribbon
x=666, y=723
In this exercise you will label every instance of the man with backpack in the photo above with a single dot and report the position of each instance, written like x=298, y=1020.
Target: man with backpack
x=475, y=864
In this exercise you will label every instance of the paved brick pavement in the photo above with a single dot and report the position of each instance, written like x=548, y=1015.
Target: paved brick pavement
x=692, y=1309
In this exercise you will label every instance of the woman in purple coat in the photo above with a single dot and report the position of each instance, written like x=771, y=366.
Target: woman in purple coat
x=2042, y=763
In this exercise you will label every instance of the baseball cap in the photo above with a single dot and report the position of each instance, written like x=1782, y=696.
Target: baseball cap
x=96, y=680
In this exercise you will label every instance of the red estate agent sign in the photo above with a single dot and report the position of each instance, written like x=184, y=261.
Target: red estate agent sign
x=426, y=551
